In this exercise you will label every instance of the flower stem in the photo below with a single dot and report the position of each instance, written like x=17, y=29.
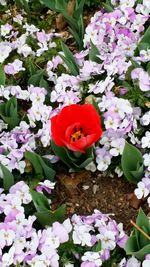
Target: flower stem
x=140, y=230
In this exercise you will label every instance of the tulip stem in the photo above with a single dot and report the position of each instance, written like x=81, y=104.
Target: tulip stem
x=140, y=230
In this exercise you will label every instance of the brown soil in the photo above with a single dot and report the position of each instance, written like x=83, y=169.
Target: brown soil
x=83, y=192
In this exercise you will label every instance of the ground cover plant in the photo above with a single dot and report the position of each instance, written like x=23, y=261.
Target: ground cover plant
x=74, y=118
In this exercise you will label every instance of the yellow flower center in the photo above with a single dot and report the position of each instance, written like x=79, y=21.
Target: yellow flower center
x=76, y=136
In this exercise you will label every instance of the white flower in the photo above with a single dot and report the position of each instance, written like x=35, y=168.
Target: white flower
x=111, y=123
x=3, y=2
x=69, y=265
x=117, y=147
x=92, y=257
x=7, y=237
x=103, y=162
x=147, y=160
x=148, y=201
x=145, y=120
x=133, y=262
x=5, y=29
x=107, y=239
x=25, y=50
x=146, y=263
x=90, y=35
x=141, y=191
x=91, y=167
x=81, y=235
x=5, y=50
x=8, y=258
x=18, y=19
x=146, y=140
x=118, y=171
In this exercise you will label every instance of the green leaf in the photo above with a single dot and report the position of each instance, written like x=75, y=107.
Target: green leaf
x=40, y=167
x=98, y=247
x=70, y=159
x=108, y=6
x=145, y=43
x=78, y=9
x=47, y=218
x=44, y=83
x=36, y=78
x=69, y=60
x=140, y=255
x=131, y=245
x=61, y=152
x=93, y=53
x=8, y=178
x=23, y=4
x=8, y=112
x=34, y=159
x=77, y=37
x=40, y=201
x=2, y=75
x=61, y=5
x=139, y=171
x=50, y=4
x=143, y=222
x=131, y=158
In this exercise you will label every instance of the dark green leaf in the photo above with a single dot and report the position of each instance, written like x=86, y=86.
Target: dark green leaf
x=40, y=167
x=108, y=7
x=44, y=83
x=8, y=112
x=70, y=159
x=36, y=78
x=40, y=201
x=131, y=157
x=143, y=222
x=61, y=152
x=49, y=217
x=140, y=255
x=69, y=60
x=34, y=159
x=145, y=41
x=2, y=75
x=8, y=178
x=93, y=53
x=78, y=9
x=50, y=4
x=131, y=245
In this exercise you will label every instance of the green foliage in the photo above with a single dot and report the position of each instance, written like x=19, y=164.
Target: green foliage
x=75, y=21
x=40, y=201
x=2, y=75
x=48, y=217
x=137, y=244
x=74, y=160
x=23, y=4
x=132, y=163
x=37, y=79
x=6, y=175
x=8, y=112
x=69, y=60
x=145, y=41
x=93, y=53
x=42, y=170
x=44, y=215
x=108, y=6
x=92, y=3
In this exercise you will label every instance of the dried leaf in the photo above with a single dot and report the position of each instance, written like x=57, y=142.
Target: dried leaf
x=60, y=20
x=73, y=179
x=134, y=201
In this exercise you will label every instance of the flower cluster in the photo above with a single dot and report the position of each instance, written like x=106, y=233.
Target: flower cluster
x=22, y=243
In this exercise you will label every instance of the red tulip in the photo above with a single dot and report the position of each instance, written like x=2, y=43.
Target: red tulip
x=76, y=127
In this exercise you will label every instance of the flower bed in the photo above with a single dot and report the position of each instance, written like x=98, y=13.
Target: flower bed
x=88, y=109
